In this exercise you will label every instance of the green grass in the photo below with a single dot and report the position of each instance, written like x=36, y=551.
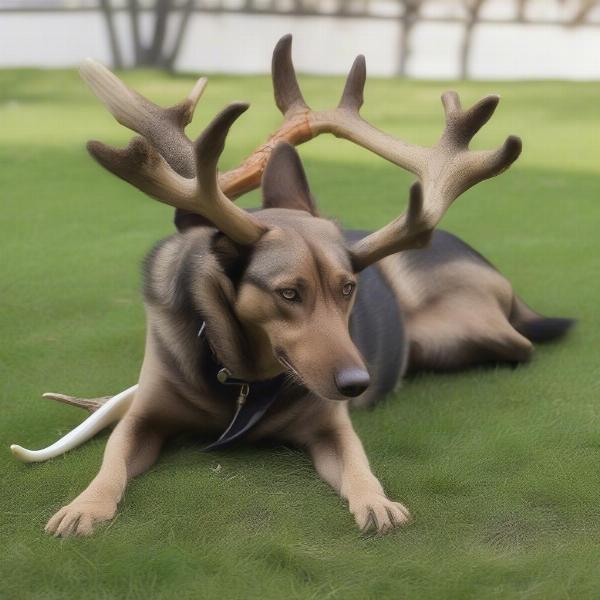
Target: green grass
x=499, y=466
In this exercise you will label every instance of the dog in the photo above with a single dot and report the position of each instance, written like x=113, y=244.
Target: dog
x=268, y=324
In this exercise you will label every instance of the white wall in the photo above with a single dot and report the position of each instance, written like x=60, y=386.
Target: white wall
x=243, y=44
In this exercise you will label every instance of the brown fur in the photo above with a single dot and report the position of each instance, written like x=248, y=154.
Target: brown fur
x=276, y=288
x=453, y=310
x=456, y=314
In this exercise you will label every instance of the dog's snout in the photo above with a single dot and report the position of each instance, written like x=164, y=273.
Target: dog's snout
x=352, y=381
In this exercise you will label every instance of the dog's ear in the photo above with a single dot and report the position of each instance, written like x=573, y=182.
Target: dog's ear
x=284, y=183
x=231, y=257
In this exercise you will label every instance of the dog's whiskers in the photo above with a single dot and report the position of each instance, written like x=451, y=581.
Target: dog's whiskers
x=292, y=375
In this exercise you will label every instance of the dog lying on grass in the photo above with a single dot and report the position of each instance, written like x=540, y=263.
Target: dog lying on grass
x=277, y=317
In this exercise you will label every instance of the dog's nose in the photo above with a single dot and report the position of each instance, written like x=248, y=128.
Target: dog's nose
x=352, y=381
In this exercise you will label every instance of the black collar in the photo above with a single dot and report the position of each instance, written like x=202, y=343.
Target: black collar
x=253, y=401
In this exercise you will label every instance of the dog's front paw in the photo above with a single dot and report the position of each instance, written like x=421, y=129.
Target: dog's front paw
x=378, y=512
x=80, y=517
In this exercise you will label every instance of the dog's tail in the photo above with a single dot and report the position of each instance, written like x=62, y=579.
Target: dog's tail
x=536, y=327
x=105, y=412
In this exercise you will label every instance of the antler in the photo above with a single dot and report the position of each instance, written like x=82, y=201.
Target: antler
x=163, y=129
x=445, y=170
x=164, y=163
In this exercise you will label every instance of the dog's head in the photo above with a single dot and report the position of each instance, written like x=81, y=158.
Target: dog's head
x=293, y=290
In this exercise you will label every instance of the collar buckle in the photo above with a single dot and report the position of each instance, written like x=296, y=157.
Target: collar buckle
x=224, y=375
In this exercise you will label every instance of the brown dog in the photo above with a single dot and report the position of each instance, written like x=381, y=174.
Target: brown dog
x=297, y=315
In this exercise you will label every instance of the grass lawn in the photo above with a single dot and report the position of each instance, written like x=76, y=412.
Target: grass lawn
x=500, y=467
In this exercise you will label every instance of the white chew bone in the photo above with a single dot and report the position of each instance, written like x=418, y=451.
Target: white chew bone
x=106, y=415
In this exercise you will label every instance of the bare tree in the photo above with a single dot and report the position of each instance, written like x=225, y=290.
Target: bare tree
x=159, y=51
x=473, y=8
x=583, y=11
x=345, y=7
x=115, y=48
x=521, y=6
x=184, y=19
x=408, y=19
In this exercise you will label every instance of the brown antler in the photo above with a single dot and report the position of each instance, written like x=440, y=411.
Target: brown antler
x=90, y=404
x=160, y=164
x=445, y=170
x=300, y=123
x=163, y=128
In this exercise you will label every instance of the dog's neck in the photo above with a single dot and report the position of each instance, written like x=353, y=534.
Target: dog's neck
x=248, y=356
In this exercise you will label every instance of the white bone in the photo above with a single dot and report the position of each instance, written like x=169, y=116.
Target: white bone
x=106, y=415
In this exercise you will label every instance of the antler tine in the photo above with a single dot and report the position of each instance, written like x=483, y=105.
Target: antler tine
x=163, y=127
x=184, y=111
x=461, y=126
x=412, y=229
x=124, y=104
x=210, y=144
x=128, y=163
x=212, y=203
x=90, y=404
x=494, y=162
x=353, y=94
x=288, y=96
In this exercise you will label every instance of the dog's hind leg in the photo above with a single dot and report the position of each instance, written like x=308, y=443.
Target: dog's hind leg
x=464, y=332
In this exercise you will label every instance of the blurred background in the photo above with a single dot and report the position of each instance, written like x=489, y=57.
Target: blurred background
x=480, y=39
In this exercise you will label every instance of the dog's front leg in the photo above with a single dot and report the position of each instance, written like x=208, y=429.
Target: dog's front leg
x=131, y=449
x=340, y=459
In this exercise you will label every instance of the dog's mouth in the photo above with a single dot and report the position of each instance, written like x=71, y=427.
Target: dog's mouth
x=295, y=376
x=283, y=359
x=285, y=362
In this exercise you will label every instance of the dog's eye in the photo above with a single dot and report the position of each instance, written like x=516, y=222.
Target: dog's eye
x=289, y=294
x=348, y=289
